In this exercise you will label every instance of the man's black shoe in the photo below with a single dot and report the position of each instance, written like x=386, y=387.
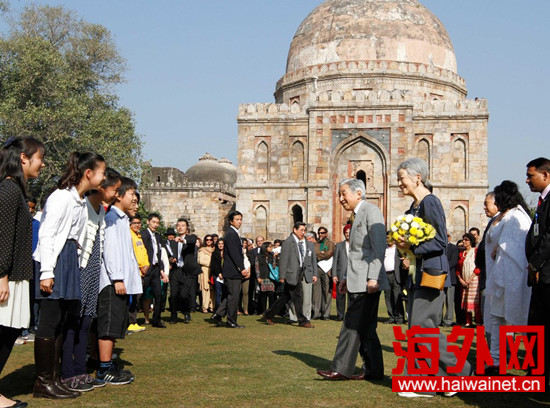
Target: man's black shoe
x=159, y=325
x=234, y=326
x=218, y=319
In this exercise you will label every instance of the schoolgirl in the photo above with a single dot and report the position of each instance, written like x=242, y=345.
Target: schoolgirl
x=58, y=281
x=73, y=362
x=21, y=159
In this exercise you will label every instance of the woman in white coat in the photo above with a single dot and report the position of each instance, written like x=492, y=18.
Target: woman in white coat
x=507, y=294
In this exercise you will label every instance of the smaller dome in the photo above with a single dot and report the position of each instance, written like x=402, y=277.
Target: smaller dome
x=209, y=170
x=230, y=167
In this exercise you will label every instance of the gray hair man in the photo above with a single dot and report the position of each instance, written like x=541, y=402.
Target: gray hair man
x=364, y=279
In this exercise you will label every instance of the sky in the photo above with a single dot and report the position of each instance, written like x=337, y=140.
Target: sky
x=192, y=62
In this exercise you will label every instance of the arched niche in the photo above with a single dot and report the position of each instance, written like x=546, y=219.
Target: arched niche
x=262, y=161
x=459, y=166
x=260, y=221
x=297, y=161
x=423, y=151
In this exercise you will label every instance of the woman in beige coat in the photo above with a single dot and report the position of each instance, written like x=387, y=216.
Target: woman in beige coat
x=207, y=288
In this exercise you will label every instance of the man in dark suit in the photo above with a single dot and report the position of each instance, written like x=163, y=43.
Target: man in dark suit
x=232, y=272
x=339, y=267
x=365, y=278
x=297, y=263
x=449, y=304
x=537, y=249
x=254, y=306
x=151, y=240
x=183, y=275
x=322, y=299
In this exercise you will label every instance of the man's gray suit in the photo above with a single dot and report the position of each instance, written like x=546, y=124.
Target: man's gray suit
x=292, y=270
x=339, y=266
x=365, y=262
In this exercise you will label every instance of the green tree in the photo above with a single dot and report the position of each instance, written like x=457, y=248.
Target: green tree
x=58, y=76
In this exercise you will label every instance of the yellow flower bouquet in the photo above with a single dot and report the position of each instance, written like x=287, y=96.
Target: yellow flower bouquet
x=413, y=230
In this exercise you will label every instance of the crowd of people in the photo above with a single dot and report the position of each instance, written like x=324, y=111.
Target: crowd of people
x=75, y=276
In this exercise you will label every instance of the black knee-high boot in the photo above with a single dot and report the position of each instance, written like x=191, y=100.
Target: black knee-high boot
x=46, y=384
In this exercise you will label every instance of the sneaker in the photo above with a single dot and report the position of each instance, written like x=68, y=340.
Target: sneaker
x=114, y=376
x=450, y=394
x=77, y=383
x=20, y=341
x=94, y=381
x=29, y=338
x=126, y=372
x=414, y=395
x=135, y=328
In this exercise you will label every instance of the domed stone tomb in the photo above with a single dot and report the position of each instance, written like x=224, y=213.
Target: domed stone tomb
x=368, y=84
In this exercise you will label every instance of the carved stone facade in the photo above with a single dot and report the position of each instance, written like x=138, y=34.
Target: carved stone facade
x=203, y=195
x=375, y=87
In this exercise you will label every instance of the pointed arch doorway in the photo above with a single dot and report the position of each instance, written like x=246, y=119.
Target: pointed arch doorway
x=363, y=158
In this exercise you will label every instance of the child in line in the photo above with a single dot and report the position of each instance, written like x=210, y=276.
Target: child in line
x=119, y=279
x=58, y=283
x=21, y=159
x=73, y=363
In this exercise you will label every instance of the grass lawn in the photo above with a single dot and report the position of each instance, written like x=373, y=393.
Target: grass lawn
x=200, y=365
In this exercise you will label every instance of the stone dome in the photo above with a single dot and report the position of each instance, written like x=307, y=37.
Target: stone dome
x=371, y=30
x=209, y=170
x=230, y=168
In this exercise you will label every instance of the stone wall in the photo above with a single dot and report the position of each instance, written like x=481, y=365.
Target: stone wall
x=372, y=132
x=204, y=205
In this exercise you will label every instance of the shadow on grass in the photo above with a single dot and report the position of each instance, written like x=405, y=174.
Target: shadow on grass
x=120, y=351
x=18, y=382
x=308, y=359
x=505, y=399
x=322, y=363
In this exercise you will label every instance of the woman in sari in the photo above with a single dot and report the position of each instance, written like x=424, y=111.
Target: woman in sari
x=468, y=276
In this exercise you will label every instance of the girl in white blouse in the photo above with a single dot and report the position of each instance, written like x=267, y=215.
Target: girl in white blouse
x=58, y=282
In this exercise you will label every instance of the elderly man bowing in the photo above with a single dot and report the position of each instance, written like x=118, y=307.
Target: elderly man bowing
x=364, y=280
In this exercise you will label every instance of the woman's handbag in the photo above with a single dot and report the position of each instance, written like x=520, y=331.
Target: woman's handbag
x=433, y=278
x=273, y=273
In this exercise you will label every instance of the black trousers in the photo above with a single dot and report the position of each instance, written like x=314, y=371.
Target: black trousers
x=8, y=335
x=230, y=305
x=292, y=293
x=152, y=279
x=539, y=315
x=262, y=301
x=394, y=301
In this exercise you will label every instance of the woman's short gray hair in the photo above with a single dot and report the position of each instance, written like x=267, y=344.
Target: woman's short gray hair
x=415, y=166
x=355, y=185
x=311, y=234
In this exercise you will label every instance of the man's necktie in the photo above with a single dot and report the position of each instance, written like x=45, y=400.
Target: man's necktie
x=155, y=248
x=302, y=251
x=352, y=217
x=540, y=201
